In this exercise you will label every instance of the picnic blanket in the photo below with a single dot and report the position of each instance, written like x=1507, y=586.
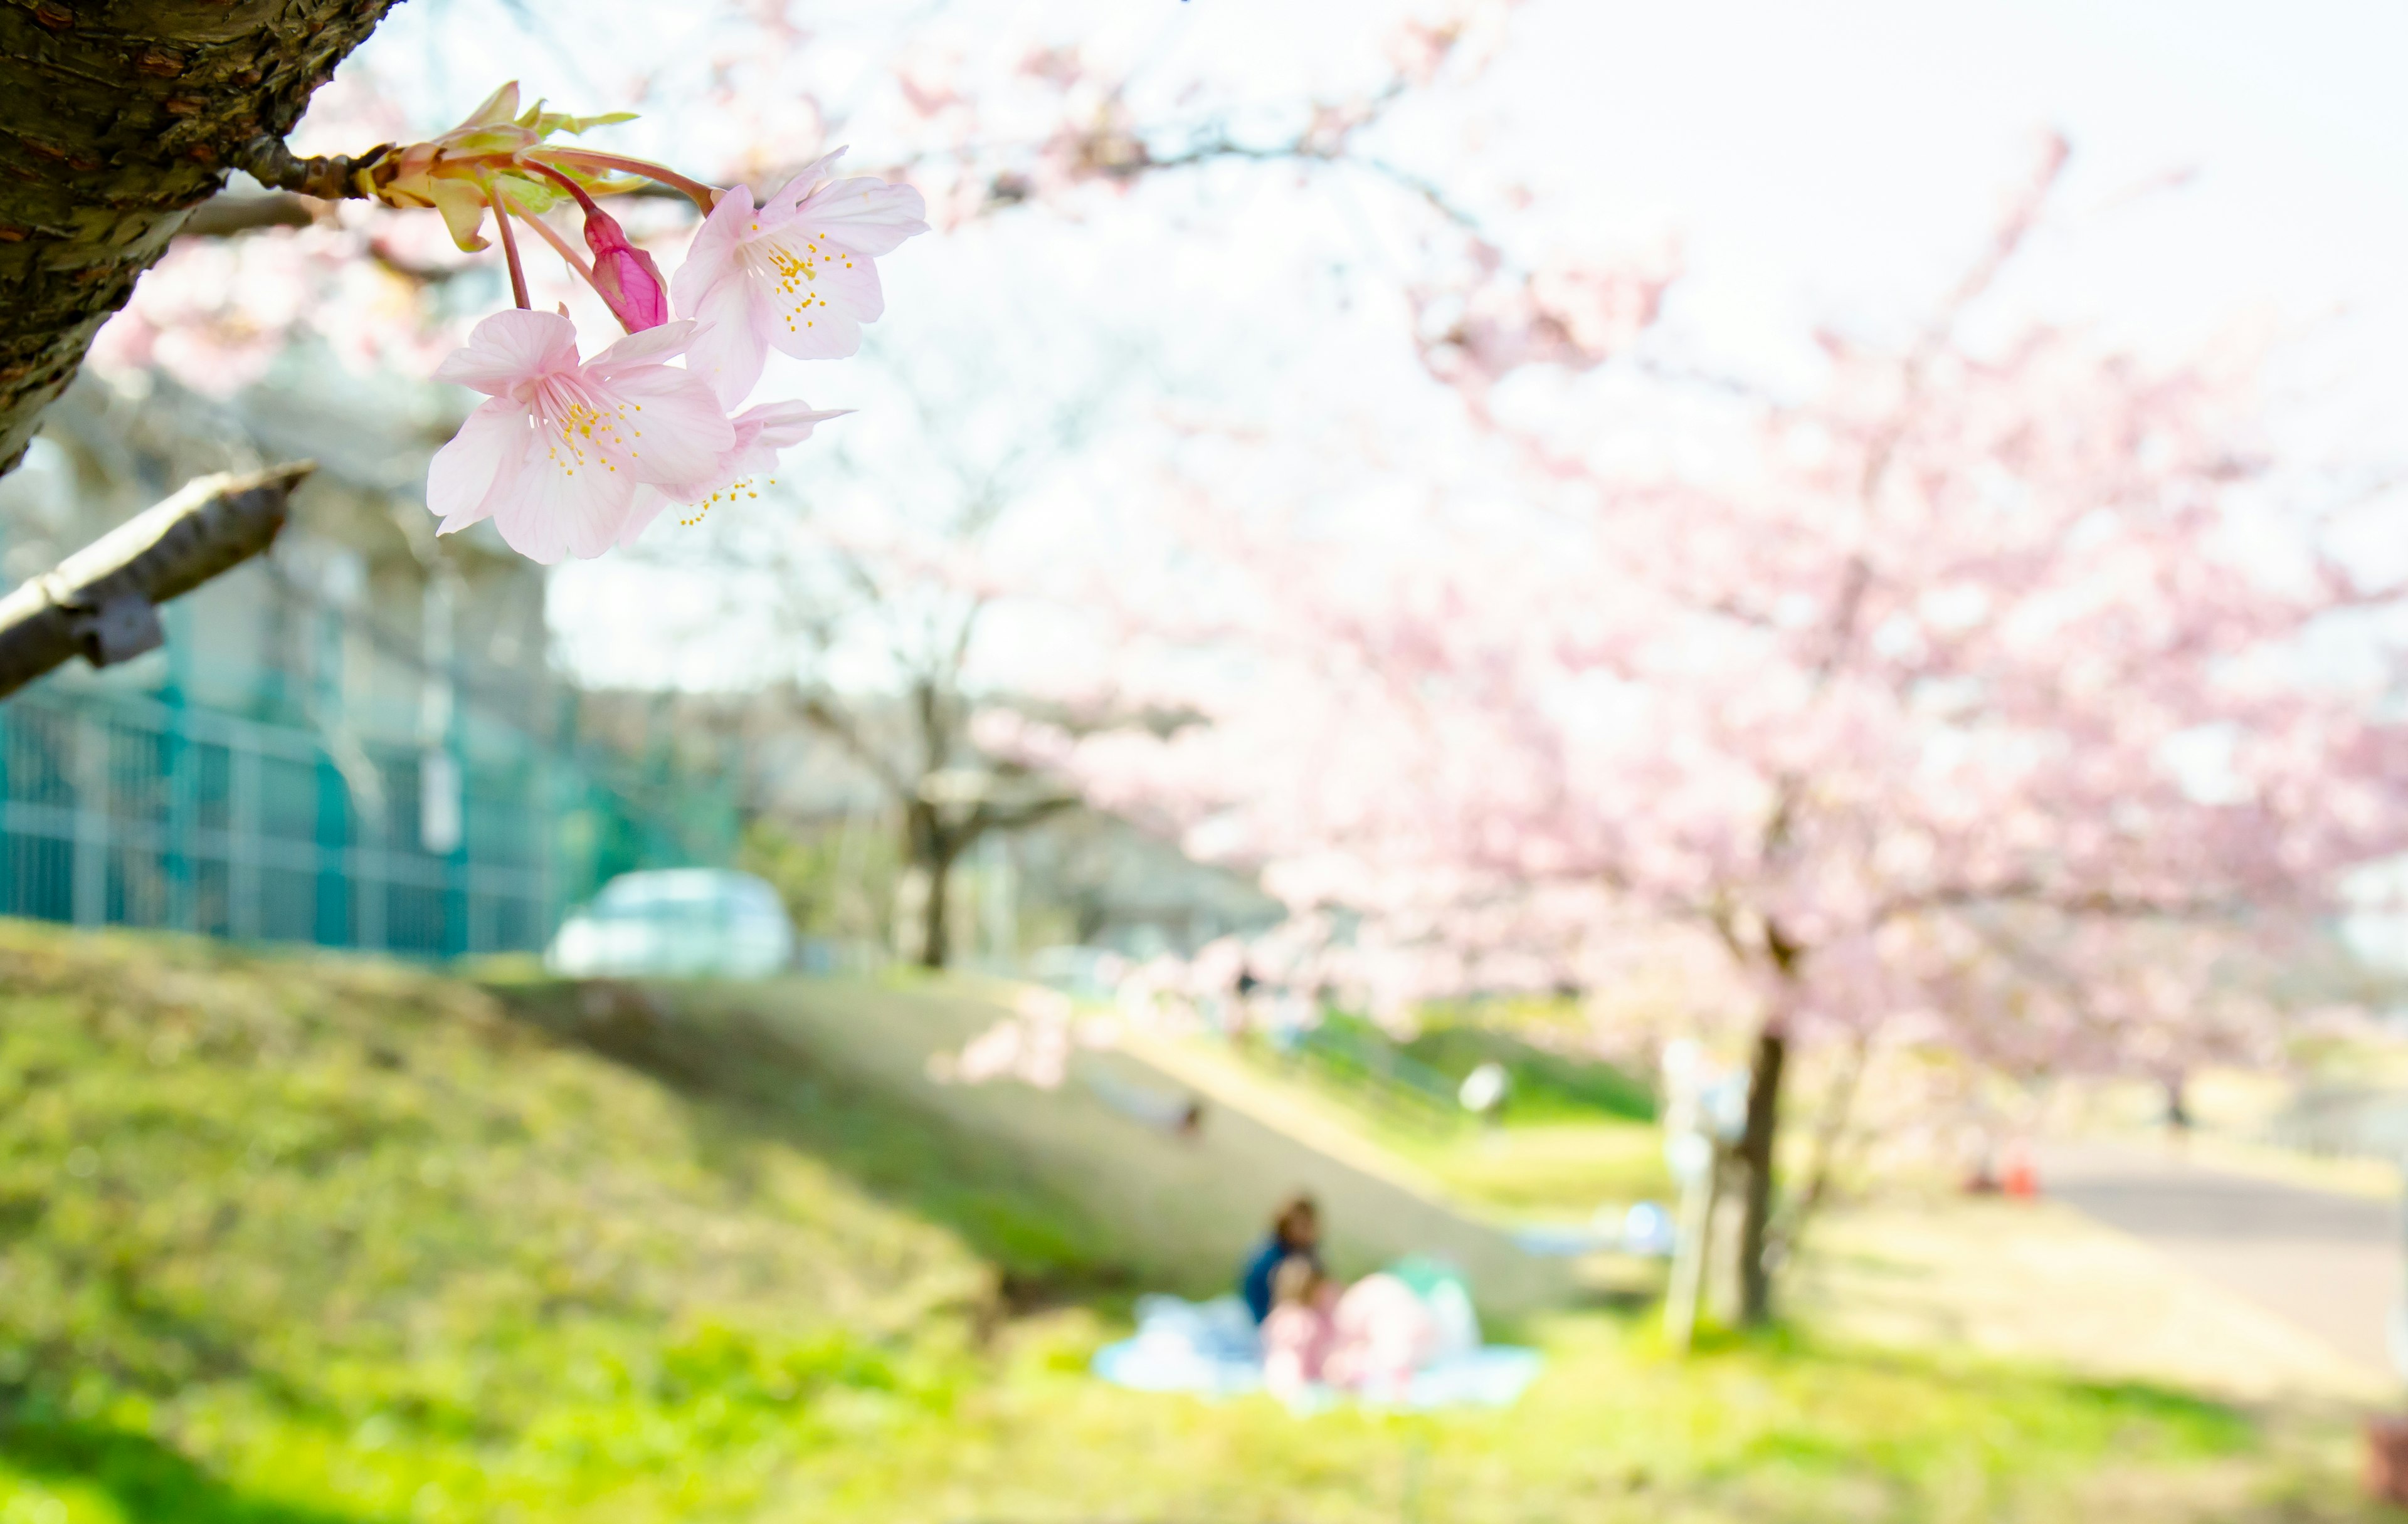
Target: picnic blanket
x=1211, y=1348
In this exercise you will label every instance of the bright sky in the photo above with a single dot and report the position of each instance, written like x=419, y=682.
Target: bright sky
x=1825, y=160
x=1837, y=163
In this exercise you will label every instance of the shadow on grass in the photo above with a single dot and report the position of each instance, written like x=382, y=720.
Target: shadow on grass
x=748, y=1084
x=2204, y=1424
x=145, y=1479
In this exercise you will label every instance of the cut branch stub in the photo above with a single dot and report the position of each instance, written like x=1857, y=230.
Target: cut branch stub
x=267, y=160
x=102, y=602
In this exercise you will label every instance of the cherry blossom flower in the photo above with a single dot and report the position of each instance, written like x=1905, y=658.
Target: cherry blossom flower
x=793, y=272
x=761, y=433
x=556, y=458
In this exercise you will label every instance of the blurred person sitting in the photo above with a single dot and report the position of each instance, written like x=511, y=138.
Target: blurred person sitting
x=1300, y=1332
x=1296, y=1233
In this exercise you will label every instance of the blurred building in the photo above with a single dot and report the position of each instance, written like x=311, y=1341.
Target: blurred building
x=356, y=740
x=829, y=835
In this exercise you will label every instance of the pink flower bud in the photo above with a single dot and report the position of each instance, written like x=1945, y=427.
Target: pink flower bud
x=627, y=277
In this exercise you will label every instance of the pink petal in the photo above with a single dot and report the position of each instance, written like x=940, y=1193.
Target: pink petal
x=645, y=508
x=711, y=258
x=867, y=215
x=761, y=433
x=730, y=346
x=649, y=347
x=460, y=480
x=510, y=348
x=777, y=425
x=782, y=202
x=823, y=319
x=682, y=433
x=546, y=509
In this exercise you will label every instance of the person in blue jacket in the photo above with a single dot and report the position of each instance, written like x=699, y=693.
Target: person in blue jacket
x=1296, y=1231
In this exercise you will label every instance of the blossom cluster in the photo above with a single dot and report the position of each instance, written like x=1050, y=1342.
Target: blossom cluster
x=571, y=455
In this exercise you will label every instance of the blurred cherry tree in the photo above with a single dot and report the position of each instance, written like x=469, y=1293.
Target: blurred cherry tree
x=1967, y=702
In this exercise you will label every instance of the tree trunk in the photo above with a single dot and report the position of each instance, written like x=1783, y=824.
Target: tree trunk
x=1755, y=1158
x=936, y=928
x=1790, y=1228
x=929, y=847
x=116, y=119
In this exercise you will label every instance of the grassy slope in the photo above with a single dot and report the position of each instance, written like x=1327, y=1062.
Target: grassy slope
x=296, y=1241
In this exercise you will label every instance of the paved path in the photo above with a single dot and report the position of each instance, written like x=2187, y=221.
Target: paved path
x=2330, y=1264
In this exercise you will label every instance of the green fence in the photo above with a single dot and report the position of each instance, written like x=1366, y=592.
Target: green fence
x=119, y=809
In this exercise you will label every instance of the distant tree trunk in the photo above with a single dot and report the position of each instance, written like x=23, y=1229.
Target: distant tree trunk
x=2178, y=1105
x=937, y=936
x=116, y=119
x=1755, y=1158
x=929, y=846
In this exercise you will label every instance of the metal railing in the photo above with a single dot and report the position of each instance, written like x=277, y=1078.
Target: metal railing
x=1392, y=1085
x=123, y=810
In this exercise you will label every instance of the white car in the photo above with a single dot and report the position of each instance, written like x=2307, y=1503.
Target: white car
x=690, y=923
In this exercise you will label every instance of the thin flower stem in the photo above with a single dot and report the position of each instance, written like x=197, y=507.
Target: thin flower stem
x=702, y=195
x=561, y=246
x=566, y=184
x=510, y=252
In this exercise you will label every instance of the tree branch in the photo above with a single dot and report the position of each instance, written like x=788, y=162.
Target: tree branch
x=235, y=212
x=986, y=817
x=819, y=712
x=2037, y=895
x=102, y=602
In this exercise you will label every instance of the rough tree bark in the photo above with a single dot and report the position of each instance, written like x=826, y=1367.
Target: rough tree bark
x=1755, y=1159
x=117, y=118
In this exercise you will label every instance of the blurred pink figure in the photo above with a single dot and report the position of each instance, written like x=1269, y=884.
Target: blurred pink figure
x=1384, y=1333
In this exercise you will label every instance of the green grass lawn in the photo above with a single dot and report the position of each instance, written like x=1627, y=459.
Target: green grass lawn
x=1552, y=1170
x=300, y=1241
x=1572, y=1147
